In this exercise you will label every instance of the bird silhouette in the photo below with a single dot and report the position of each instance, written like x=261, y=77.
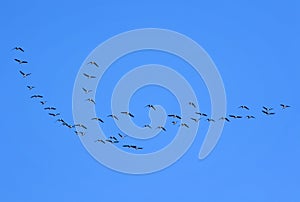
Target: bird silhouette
x=184, y=125
x=98, y=119
x=93, y=63
x=21, y=61
x=128, y=113
x=195, y=119
x=225, y=119
x=113, y=116
x=250, y=117
x=89, y=76
x=161, y=127
x=235, y=116
x=30, y=87
x=174, y=116
x=244, y=107
x=147, y=126
x=283, y=106
x=80, y=125
x=52, y=114
x=86, y=90
x=49, y=108
x=201, y=114
x=192, y=104
x=24, y=74
x=150, y=106
x=210, y=120
x=91, y=100
x=18, y=49
x=36, y=96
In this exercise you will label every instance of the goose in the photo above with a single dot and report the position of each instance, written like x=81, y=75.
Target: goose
x=98, y=119
x=89, y=76
x=86, y=90
x=113, y=116
x=91, y=100
x=68, y=125
x=43, y=102
x=126, y=145
x=235, y=117
x=225, y=119
x=30, y=87
x=195, y=119
x=113, y=137
x=36, y=96
x=60, y=120
x=93, y=63
x=110, y=141
x=80, y=125
x=122, y=136
x=284, y=106
x=150, y=106
x=210, y=120
x=184, y=125
x=127, y=113
x=244, y=107
x=52, y=114
x=267, y=108
x=147, y=126
x=21, y=61
x=267, y=112
x=79, y=133
x=18, y=49
x=24, y=74
x=49, y=108
x=161, y=127
x=174, y=116
x=174, y=122
x=99, y=140
x=192, y=104
x=250, y=117
x=201, y=114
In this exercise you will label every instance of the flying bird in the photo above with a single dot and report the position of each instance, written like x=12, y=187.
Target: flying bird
x=210, y=120
x=36, y=96
x=122, y=136
x=250, y=117
x=174, y=122
x=192, y=104
x=21, y=61
x=52, y=114
x=161, y=127
x=284, y=106
x=147, y=126
x=30, y=87
x=49, y=108
x=150, y=106
x=113, y=116
x=244, y=107
x=86, y=90
x=43, y=102
x=225, y=119
x=98, y=119
x=79, y=133
x=267, y=109
x=91, y=100
x=127, y=113
x=24, y=74
x=93, y=63
x=60, y=120
x=80, y=125
x=201, y=114
x=267, y=112
x=126, y=145
x=184, y=125
x=99, y=140
x=113, y=137
x=89, y=76
x=18, y=49
x=235, y=117
x=67, y=125
x=174, y=116
x=195, y=119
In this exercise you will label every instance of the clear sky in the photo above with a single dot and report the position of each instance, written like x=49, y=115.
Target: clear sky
x=255, y=46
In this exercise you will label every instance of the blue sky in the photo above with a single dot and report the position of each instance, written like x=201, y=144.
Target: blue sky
x=254, y=44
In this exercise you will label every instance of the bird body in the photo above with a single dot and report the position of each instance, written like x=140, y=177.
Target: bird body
x=98, y=119
x=21, y=61
x=128, y=113
x=150, y=106
x=93, y=63
x=89, y=76
x=113, y=116
x=24, y=74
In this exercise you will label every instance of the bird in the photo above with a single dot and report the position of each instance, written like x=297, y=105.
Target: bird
x=192, y=104
x=235, y=116
x=126, y=145
x=89, y=76
x=174, y=116
x=224, y=118
x=128, y=113
x=91, y=100
x=174, y=122
x=267, y=112
x=110, y=141
x=150, y=106
x=267, y=109
x=250, y=117
x=147, y=126
x=21, y=61
x=52, y=114
x=98, y=119
x=80, y=125
x=86, y=90
x=113, y=116
x=24, y=74
x=210, y=120
x=122, y=136
x=99, y=140
x=18, y=49
x=67, y=125
x=201, y=114
x=36, y=96
x=161, y=127
x=30, y=87
x=49, y=108
x=284, y=106
x=60, y=120
x=184, y=125
x=93, y=63
x=195, y=119
x=244, y=107
x=43, y=102
x=113, y=137
x=79, y=133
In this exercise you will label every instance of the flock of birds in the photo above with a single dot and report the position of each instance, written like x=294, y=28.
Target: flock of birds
x=80, y=129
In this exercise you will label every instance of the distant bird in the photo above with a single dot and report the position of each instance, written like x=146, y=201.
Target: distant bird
x=21, y=61
x=89, y=76
x=36, y=96
x=98, y=119
x=127, y=113
x=30, y=87
x=195, y=119
x=86, y=90
x=147, y=126
x=110, y=141
x=161, y=127
x=60, y=120
x=225, y=119
x=267, y=109
x=139, y=148
x=126, y=145
x=250, y=117
x=244, y=107
x=284, y=106
x=80, y=125
x=93, y=63
x=99, y=140
x=235, y=116
x=18, y=49
x=133, y=146
x=91, y=100
x=267, y=112
x=43, y=102
x=210, y=120
x=79, y=133
x=122, y=136
x=174, y=122
x=113, y=137
x=52, y=114
x=174, y=116
x=184, y=125
x=201, y=114
x=24, y=74
x=113, y=116
x=192, y=104
x=150, y=106
x=49, y=108
x=67, y=125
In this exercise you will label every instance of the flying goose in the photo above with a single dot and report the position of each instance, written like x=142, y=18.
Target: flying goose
x=89, y=76
x=235, y=116
x=93, y=63
x=267, y=108
x=225, y=119
x=267, y=112
x=18, y=49
x=174, y=122
x=192, y=104
x=195, y=119
x=98, y=119
x=24, y=74
x=210, y=120
x=147, y=126
x=113, y=138
x=99, y=140
x=127, y=113
x=284, y=106
x=174, y=116
x=184, y=125
x=86, y=90
x=122, y=136
x=21, y=61
x=43, y=102
x=80, y=125
x=161, y=127
x=36, y=96
x=49, y=108
x=91, y=100
x=244, y=107
x=113, y=116
x=150, y=106
x=30, y=87
x=201, y=114
x=52, y=114
x=250, y=117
